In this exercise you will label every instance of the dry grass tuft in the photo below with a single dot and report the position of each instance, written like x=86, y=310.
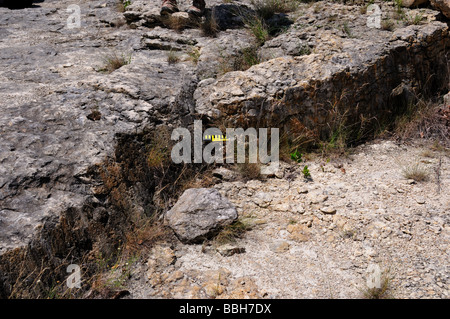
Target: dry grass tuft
x=115, y=61
x=249, y=171
x=230, y=233
x=426, y=120
x=176, y=23
x=172, y=57
x=145, y=234
x=416, y=172
x=267, y=8
x=209, y=26
x=387, y=24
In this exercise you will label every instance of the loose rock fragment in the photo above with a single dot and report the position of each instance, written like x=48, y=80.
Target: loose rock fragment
x=199, y=213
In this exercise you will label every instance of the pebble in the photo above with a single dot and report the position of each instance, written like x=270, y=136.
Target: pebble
x=420, y=200
x=328, y=210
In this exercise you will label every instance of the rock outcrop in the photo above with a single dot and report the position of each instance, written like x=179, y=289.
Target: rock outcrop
x=199, y=213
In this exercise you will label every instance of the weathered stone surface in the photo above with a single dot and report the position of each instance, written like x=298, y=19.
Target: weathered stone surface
x=328, y=210
x=53, y=148
x=199, y=213
x=224, y=174
x=443, y=6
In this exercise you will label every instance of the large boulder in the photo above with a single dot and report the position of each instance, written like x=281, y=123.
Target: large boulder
x=412, y=3
x=443, y=6
x=199, y=214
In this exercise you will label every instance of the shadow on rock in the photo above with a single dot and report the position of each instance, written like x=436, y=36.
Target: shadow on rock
x=21, y=4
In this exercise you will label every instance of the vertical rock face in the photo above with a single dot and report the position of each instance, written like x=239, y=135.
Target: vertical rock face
x=199, y=213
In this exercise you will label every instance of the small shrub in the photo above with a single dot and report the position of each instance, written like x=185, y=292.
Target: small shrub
x=337, y=143
x=306, y=172
x=424, y=119
x=417, y=19
x=346, y=29
x=248, y=57
x=296, y=156
x=175, y=23
x=297, y=138
x=399, y=13
x=122, y=5
x=363, y=9
x=158, y=150
x=427, y=153
x=145, y=234
x=304, y=49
